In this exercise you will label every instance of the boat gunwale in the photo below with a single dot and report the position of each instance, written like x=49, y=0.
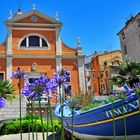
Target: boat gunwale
x=108, y=104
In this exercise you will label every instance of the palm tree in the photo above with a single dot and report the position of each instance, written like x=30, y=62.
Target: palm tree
x=127, y=73
x=6, y=90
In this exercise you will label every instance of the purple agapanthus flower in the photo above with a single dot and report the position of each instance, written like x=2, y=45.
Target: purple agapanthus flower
x=74, y=104
x=2, y=102
x=62, y=77
x=51, y=87
x=137, y=88
x=135, y=85
x=27, y=91
x=40, y=87
x=18, y=74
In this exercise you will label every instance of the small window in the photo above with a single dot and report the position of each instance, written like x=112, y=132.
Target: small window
x=115, y=62
x=1, y=76
x=125, y=50
x=68, y=91
x=138, y=22
x=123, y=35
x=31, y=80
x=44, y=44
x=23, y=43
x=105, y=63
x=34, y=41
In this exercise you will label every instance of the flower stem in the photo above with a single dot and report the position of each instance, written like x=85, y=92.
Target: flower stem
x=32, y=119
x=60, y=95
x=72, y=122
x=47, y=121
x=114, y=128
x=139, y=102
x=51, y=117
x=29, y=125
x=62, y=130
x=62, y=114
x=43, y=136
x=20, y=109
x=125, y=131
x=36, y=127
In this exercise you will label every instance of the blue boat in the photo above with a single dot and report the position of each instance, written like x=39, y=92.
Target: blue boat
x=97, y=123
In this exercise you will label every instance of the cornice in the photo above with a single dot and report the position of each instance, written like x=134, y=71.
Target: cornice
x=34, y=56
x=43, y=56
x=38, y=29
x=34, y=24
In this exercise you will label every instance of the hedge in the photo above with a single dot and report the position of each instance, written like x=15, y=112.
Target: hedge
x=13, y=127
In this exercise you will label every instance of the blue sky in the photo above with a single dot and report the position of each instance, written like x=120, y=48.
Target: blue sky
x=96, y=22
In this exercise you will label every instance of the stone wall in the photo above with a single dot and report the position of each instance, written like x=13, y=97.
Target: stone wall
x=130, y=40
x=11, y=110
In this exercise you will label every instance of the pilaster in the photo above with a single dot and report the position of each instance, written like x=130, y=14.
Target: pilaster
x=81, y=71
x=9, y=54
x=9, y=41
x=58, y=42
x=81, y=67
x=58, y=63
x=8, y=68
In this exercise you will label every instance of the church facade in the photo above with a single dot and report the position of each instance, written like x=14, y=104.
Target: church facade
x=34, y=44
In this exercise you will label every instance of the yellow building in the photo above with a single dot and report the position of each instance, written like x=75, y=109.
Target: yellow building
x=104, y=67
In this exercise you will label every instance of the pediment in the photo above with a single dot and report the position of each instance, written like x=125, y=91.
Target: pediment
x=35, y=19
x=33, y=16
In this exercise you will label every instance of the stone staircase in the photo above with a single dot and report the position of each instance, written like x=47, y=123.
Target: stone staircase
x=11, y=110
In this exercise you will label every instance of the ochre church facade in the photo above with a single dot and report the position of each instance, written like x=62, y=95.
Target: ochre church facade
x=34, y=44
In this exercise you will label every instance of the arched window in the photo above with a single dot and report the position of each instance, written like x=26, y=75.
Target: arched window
x=34, y=41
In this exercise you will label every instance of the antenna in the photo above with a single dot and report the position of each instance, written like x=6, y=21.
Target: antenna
x=19, y=8
x=19, y=12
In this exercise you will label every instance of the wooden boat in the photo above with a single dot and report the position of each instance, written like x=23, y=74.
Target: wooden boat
x=97, y=124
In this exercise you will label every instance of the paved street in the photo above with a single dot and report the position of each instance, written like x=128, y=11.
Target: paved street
x=25, y=136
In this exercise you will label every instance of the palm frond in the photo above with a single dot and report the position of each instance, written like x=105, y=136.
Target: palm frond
x=6, y=89
x=128, y=72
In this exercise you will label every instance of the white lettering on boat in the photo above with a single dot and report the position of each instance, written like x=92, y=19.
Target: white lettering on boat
x=122, y=109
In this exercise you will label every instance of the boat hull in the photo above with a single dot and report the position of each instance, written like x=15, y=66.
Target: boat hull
x=98, y=123
x=95, y=137
x=104, y=129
